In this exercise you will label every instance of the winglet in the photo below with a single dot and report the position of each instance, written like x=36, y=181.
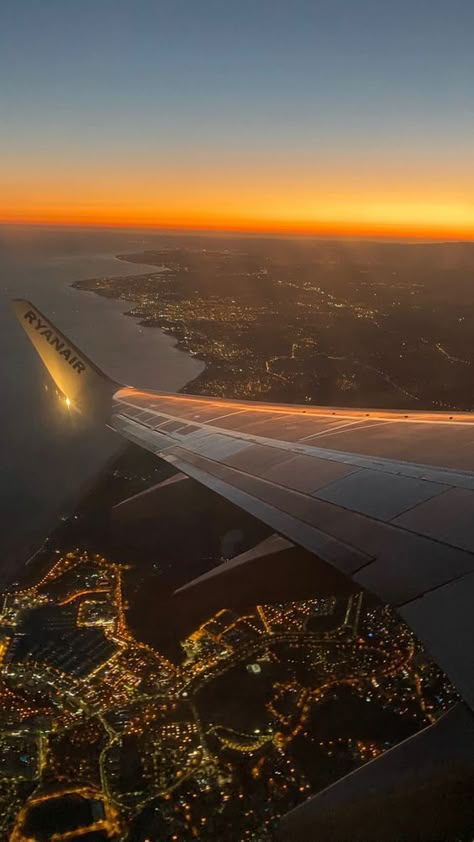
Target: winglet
x=83, y=384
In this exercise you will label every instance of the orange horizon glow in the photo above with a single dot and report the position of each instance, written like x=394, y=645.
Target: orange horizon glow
x=327, y=199
x=238, y=225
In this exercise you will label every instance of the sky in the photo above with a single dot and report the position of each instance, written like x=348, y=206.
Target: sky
x=352, y=117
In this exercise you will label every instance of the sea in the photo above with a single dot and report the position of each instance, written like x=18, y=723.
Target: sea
x=49, y=455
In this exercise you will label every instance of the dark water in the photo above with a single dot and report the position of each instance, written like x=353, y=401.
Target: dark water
x=47, y=455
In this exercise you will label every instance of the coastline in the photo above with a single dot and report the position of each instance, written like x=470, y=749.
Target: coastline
x=169, y=340
x=179, y=342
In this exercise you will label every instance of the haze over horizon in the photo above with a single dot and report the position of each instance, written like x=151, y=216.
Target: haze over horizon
x=302, y=118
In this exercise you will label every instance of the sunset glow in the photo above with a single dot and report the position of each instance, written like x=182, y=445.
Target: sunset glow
x=308, y=121
x=263, y=204
x=406, y=221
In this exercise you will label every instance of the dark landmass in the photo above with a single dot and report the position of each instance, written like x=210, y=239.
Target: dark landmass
x=337, y=323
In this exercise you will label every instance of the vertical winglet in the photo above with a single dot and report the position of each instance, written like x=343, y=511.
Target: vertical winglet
x=83, y=384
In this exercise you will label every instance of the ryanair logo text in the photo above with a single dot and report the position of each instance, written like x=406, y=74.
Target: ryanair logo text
x=58, y=344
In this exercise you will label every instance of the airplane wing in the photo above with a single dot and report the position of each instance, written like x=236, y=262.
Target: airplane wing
x=386, y=497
